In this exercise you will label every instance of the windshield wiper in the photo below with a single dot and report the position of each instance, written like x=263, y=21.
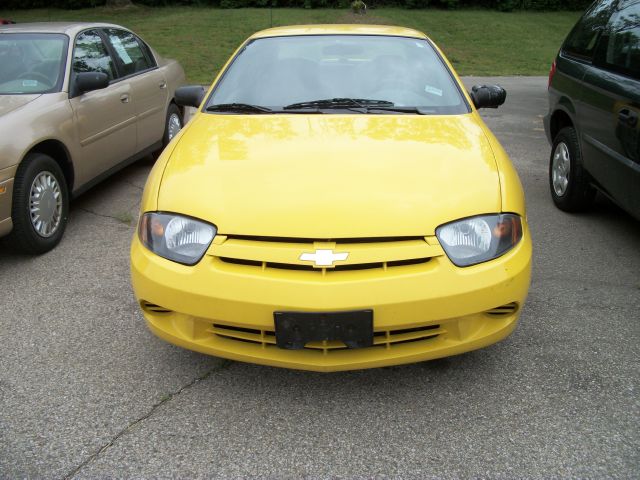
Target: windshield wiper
x=238, y=108
x=359, y=105
x=400, y=109
x=348, y=103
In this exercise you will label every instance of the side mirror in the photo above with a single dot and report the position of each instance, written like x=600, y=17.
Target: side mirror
x=88, y=81
x=190, y=95
x=488, y=96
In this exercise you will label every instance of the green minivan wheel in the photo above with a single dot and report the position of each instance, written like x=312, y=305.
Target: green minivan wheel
x=568, y=181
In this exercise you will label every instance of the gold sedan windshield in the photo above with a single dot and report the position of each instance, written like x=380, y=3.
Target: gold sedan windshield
x=31, y=63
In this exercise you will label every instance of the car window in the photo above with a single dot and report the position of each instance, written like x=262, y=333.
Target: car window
x=623, y=47
x=279, y=71
x=91, y=55
x=31, y=63
x=131, y=57
x=583, y=39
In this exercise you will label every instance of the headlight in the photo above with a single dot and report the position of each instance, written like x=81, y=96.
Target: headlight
x=479, y=239
x=174, y=237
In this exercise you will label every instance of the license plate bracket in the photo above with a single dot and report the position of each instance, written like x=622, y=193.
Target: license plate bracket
x=295, y=329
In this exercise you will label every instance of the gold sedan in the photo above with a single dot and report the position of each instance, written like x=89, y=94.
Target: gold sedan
x=78, y=102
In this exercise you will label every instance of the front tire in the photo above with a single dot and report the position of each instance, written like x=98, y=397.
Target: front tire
x=568, y=180
x=173, y=124
x=40, y=205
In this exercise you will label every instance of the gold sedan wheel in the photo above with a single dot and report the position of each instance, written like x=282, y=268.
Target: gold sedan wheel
x=40, y=204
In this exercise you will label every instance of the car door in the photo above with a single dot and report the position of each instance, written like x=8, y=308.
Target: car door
x=148, y=85
x=104, y=119
x=611, y=109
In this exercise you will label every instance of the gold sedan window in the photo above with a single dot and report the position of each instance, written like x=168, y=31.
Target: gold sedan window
x=130, y=55
x=91, y=55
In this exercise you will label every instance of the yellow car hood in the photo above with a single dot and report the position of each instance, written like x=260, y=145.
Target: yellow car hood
x=331, y=176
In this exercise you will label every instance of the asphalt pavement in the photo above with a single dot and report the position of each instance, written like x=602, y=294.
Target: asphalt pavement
x=86, y=391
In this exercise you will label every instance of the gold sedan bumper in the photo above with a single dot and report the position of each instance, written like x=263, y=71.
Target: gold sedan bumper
x=6, y=196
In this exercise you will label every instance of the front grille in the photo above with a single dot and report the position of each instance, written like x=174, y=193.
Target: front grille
x=262, y=253
x=311, y=240
x=337, y=268
x=382, y=338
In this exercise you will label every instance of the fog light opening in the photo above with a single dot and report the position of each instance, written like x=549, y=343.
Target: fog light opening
x=153, y=308
x=503, y=310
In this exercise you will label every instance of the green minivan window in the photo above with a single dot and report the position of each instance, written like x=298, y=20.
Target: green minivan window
x=623, y=48
x=583, y=39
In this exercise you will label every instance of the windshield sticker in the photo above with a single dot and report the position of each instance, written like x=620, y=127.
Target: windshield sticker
x=122, y=53
x=29, y=83
x=433, y=90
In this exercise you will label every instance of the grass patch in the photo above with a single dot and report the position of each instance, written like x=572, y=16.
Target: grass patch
x=482, y=42
x=124, y=217
x=478, y=42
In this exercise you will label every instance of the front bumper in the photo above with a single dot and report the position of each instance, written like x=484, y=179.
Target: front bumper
x=6, y=197
x=546, y=123
x=421, y=311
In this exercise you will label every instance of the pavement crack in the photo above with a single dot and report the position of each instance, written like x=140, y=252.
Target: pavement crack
x=137, y=421
x=124, y=217
x=133, y=184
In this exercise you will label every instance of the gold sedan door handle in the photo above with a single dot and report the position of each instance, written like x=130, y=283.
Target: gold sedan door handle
x=162, y=84
x=124, y=98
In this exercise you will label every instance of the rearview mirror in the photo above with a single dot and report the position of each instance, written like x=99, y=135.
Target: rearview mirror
x=488, y=96
x=88, y=81
x=190, y=95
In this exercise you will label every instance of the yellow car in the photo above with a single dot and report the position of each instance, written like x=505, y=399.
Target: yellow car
x=335, y=203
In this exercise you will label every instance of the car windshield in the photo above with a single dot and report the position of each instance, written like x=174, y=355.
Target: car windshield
x=338, y=73
x=31, y=63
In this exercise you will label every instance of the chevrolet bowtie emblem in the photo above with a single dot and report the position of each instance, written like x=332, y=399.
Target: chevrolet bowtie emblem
x=324, y=258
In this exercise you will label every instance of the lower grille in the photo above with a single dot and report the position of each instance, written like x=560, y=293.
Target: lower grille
x=383, y=338
x=503, y=310
x=153, y=308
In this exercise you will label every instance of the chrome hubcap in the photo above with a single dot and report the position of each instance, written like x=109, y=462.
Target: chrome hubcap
x=560, y=167
x=174, y=125
x=45, y=204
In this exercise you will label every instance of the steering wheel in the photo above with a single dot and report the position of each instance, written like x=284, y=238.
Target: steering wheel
x=396, y=84
x=32, y=75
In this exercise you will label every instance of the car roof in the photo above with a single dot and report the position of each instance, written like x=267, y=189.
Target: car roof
x=69, y=28
x=337, y=29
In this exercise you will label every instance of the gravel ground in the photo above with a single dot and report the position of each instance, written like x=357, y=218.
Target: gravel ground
x=86, y=391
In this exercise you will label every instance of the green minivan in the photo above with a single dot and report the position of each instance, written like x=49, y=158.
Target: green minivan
x=594, y=105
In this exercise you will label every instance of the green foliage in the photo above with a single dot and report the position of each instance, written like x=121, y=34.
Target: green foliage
x=358, y=6
x=502, y=5
x=508, y=5
x=415, y=3
x=450, y=4
x=67, y=4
